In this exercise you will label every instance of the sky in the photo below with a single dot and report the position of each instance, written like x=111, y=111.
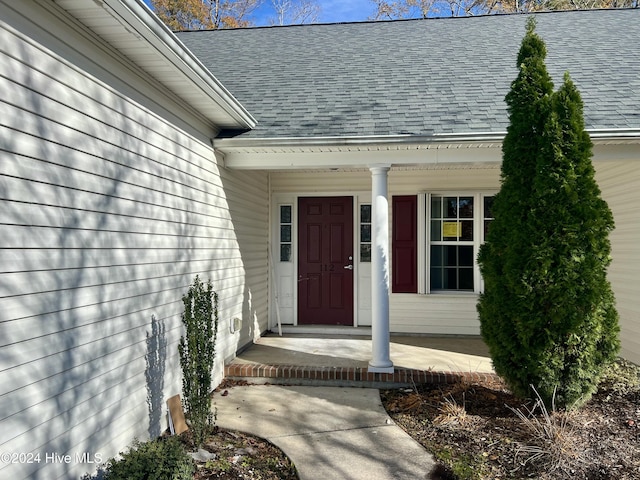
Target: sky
x=332, y=11
x=343, y=10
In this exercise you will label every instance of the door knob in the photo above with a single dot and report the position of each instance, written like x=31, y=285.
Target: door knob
x=349, y=267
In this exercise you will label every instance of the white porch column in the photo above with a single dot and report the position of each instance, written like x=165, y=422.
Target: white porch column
x=380, y=338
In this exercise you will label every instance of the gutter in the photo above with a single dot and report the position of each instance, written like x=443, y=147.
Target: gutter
x=356, y=141
x=135, y=15
x=632, y=134
x=597, y=135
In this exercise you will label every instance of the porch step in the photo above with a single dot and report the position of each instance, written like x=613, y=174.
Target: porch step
x=346, y=376
x=325, y=330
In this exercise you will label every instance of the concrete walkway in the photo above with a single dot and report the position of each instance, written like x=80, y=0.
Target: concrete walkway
x=328, y=432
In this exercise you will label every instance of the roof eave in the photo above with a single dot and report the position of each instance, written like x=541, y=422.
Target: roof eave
x=631, y=135
x=427, y=151
x=357, y=141
x=479, y=138
x=137, y=18
x=157, y=33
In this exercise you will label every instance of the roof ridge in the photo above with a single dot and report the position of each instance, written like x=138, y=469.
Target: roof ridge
x=405, y=20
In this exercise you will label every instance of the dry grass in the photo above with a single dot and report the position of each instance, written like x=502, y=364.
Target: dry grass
x=451, y=413
x=551, y=440
x=481, y=431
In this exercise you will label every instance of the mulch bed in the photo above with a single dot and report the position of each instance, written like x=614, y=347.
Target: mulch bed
x=473, y=430
x=238, y=455
x=242, y=456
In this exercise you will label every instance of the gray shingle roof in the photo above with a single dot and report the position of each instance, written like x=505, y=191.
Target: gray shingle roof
x=419, y=77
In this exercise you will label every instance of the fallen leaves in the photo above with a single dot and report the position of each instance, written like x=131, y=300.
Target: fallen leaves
x=470, y=424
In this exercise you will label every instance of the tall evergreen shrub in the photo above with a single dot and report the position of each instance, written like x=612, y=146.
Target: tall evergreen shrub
x=547, y=312
x=197, y=354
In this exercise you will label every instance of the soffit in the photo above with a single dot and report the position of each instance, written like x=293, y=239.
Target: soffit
x=132, y=29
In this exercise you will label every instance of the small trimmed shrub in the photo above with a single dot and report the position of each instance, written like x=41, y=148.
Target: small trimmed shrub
x=197, y=354
x=161, y=459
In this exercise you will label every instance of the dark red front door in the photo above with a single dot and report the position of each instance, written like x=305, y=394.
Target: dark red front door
x=325, y=261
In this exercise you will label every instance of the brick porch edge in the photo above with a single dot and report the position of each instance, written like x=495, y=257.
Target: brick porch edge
x=401, y=376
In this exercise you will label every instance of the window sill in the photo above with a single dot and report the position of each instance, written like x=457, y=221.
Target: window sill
x=452, y=293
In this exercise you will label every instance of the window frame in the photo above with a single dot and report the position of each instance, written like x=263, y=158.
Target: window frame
x=282, y=242
x=360, y=224
x=478, y=238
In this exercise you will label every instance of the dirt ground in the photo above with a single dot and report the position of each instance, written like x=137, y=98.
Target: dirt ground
x=476, y=432
x=242, y=456
x=238, y=455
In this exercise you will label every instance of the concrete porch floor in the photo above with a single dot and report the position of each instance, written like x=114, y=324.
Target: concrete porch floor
x=314, y=357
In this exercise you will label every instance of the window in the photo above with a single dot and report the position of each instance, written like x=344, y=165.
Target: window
x=456, y=226
x=365, y=233
x=435, y=241
x=452, y=243
x=487, y=214
x=285, y=233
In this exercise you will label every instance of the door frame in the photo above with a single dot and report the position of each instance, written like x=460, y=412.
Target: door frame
x=286, y=274
x=331, y=270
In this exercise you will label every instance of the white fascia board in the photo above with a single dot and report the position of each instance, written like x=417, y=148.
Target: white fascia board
x=136, y=17
x=358, y=141
x=389, y=140
x=630, y=135
x=151, y=28
x=362, y=152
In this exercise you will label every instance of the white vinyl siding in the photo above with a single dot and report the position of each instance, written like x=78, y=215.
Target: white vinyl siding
x=248, y=209
x=108, y=213
x=620, y=185
x=453, y=313
x=450, y=313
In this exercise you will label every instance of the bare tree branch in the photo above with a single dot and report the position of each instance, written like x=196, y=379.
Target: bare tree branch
x=295, y=12
x=398, y=9
x=204, y=14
